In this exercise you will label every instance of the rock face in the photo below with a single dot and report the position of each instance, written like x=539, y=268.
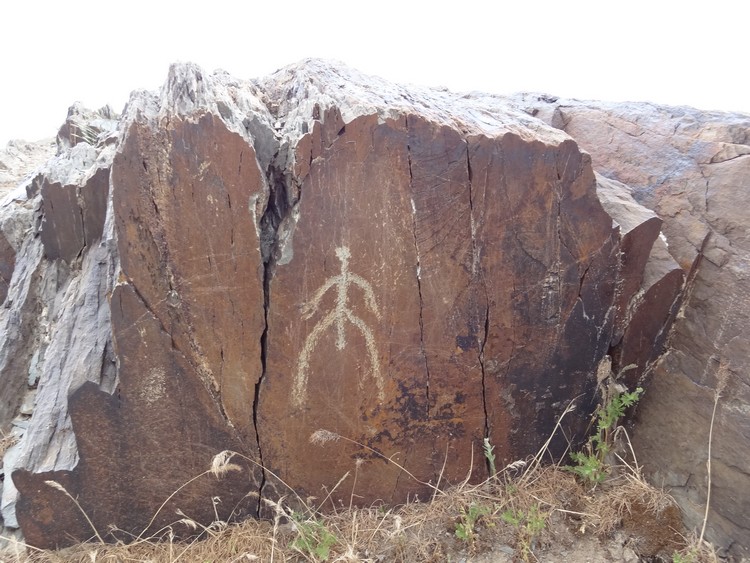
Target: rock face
x=693, y=169
x=393, y=322
x=245, y=266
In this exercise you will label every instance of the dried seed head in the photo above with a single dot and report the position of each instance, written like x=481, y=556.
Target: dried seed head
x=189, y=522
x=722, y=376
x=56, y=485
x=516, y=465
x=321, y=437
x=221, y=465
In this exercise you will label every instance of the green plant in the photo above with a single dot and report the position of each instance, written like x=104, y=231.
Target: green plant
x=683, y=558
x=313, y=538
x=696, y=551
x=591, y=463
x=535, y=521
x=528, y=526
x=466, y=527
x=588, y=467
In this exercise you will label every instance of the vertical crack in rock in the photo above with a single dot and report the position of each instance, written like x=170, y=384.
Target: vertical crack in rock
x=484, y=381
x=582, y=279
x=419, y=272
x=705, y=193
x=476, y=273
x=276, y=211
x=256, y=398
x=81, y=212
x=684, y=297
x=560, y=238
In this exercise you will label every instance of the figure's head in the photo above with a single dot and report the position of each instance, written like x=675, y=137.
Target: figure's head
x=343, y=253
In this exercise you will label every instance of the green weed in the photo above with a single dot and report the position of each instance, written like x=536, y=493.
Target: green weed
x=528, y=526
x=313, y=538
x=466, y=527
x=684, y=558
x=591, y=463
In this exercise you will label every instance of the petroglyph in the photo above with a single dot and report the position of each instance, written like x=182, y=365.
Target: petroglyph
x=154, y=386
x=339, y=315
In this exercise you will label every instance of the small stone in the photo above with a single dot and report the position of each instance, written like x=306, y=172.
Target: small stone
x=27, y=407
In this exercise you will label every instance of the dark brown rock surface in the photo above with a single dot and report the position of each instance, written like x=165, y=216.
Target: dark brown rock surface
x=408, y=270
x=73, y=215
x=439, y=285
x=189, y=246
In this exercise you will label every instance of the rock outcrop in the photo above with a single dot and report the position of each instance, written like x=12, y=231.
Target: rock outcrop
x=243, y=266
x=693, y=168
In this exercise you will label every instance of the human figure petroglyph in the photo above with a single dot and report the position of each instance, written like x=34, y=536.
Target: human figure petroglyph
x=338, y=315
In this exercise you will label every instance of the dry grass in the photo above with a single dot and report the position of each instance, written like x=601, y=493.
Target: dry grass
x=516, y=508
x=524, y=509
x=6, y=441
x=417, y=532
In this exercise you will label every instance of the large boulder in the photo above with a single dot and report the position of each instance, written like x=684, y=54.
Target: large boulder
x=318, y=254
x=693, y=168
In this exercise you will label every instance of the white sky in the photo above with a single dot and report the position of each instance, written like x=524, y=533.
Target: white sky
x=693, y=52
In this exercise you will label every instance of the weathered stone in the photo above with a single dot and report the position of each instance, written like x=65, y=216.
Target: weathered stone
x=651, y=313
x=410, y=270
x=651, y=286
x=73, y=215
x=639, y=228
x=142, y=438
x=17, y=160
x=187, y=322
x=187, y=225
x=86, y=126
x=550, y=267
x=55, y=324
x=58, y=336
x=17, y=323
x=693, y=168
x=7, y=263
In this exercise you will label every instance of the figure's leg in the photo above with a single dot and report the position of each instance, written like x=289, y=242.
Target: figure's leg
x=299, y=389
x=340, y=329
x=372, y=351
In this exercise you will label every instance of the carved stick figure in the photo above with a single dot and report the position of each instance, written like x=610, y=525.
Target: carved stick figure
x=339, y=315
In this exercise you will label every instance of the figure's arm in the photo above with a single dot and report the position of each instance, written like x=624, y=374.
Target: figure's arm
x=366, y=288
x=309, y=308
